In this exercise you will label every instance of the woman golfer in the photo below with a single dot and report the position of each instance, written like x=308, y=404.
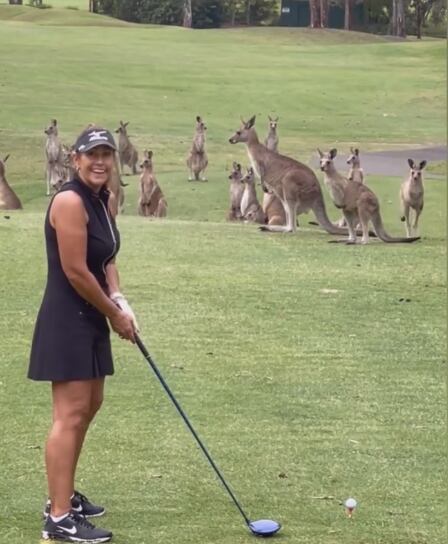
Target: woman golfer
x=71, y=344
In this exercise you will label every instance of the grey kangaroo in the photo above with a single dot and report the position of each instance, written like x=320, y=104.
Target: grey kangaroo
x=55, y=159
x=197, y=160
x=294, y=183
x=8, y=198
x=271, y=141
x=411, y=195
x=152, y=202
x=236, y=193
x=355, y=172
x=357, y=202
x=250, y=207
x=127, y=153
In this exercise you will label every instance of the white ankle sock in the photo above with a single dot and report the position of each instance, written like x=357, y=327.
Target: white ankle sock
x=59, y=518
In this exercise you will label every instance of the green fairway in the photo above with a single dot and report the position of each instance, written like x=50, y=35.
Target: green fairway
x=312, y=371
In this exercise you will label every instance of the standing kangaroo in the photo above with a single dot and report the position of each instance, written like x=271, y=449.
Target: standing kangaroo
x=197, y=160
x=8, y=198
x=54, y=155
x=236, y=193
x=250, y=207
x=355, y=172
x=294, y=183
x=152, y=202
x=271, y=141
x=126, y=151
x=357, y=201
x=411, y=195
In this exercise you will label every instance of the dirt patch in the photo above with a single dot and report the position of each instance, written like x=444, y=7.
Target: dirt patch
x=392, y=163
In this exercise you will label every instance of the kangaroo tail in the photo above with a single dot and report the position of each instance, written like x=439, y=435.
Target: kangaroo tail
x=321, y=215
x=382, y=234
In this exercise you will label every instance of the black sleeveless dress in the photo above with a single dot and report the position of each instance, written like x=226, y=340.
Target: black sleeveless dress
x=71, y=338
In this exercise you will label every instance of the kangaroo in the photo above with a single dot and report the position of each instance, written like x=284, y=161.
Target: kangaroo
x=250, y=207
x=411, y=195
x=126, y=151
x=197, y=160
x=152, y=202
x=271, y=141
x=273, y=209
x=355, y=173
x=294, y=183
x=236, y=193
x=54, y=155
x=8, y=198
x=357, y=201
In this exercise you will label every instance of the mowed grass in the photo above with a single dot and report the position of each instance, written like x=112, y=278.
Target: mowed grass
x=312, y=371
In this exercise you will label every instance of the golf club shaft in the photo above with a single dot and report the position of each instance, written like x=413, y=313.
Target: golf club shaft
x=187, y=422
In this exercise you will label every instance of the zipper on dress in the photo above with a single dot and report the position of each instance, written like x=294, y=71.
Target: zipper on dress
x=113, y=237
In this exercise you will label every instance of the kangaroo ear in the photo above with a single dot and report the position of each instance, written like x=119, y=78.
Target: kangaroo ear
x=251, y=122
x=333, y=153
x=356, y=151
x=234, y=165
x=276, y=120
x=411, y=163
x=6, y=158
x=320, y=153
x=238, y=167
x=198, y=118
x=126, y=124
x=121, y=123
x=270, y=118
x=352, y=151
x=422, y=165
x=54, y=121
x=150, y=154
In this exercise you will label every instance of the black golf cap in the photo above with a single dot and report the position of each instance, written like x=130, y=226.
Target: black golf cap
x=93, y=138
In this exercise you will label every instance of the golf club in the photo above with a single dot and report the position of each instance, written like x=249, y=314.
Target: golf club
x=261, y=527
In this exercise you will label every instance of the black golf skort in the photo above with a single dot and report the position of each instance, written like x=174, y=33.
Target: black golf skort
x=71, y=338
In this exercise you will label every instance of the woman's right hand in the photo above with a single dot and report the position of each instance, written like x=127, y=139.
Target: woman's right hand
x=123, y=325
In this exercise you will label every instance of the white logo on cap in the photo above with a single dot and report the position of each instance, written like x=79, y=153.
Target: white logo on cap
x=97, y=135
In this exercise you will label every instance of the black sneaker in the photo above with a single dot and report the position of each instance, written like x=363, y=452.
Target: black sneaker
x=74, y=528
x=80, y=505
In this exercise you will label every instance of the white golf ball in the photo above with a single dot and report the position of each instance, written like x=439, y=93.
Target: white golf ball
x=350, y=503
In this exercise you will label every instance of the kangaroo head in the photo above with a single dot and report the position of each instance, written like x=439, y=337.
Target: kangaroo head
x=2, y=165
x=147, y=160
x=242, y=134
x=273, y=123
x=249, y=176
x=236, y=174
x=416, y=169
x=200, y=125
x=122, y=128
x=67, y=152
x=52, y=129
x=353, y=158
x=326, y=159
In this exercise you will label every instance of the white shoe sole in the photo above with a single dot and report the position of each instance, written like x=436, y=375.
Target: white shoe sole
x=62, y=538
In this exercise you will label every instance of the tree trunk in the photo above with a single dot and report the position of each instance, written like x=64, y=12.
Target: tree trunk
x=248, y=2
x=314, y=14
x=188, y=16
x=393, y=22
x=418, y=18
x=401, y=19
x=347, y=15
x=323, y=5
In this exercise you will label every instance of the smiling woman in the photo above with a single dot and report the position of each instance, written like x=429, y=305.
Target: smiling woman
x=82, y=291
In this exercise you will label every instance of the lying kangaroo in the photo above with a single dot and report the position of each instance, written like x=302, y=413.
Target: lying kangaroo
x=294, y=183
x=8, y=198
x=236, y=193
x=152, y=202
x=355, y=172
x=197, y=160
x=271, y=141
x=250, y=207
x=126, y=151
x=411, y=195
x=54, y=155
x=357, y=201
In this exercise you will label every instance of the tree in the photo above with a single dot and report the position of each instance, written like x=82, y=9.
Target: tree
x=348, y=5
x=314, y=13
x=398, y=18
x=188, y=15
x=323, y=7
x=421, y=10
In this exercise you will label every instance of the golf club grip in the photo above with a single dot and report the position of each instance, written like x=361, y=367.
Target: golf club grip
x=148, y=357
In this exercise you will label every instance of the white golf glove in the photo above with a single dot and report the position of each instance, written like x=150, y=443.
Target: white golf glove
x=123, y=304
